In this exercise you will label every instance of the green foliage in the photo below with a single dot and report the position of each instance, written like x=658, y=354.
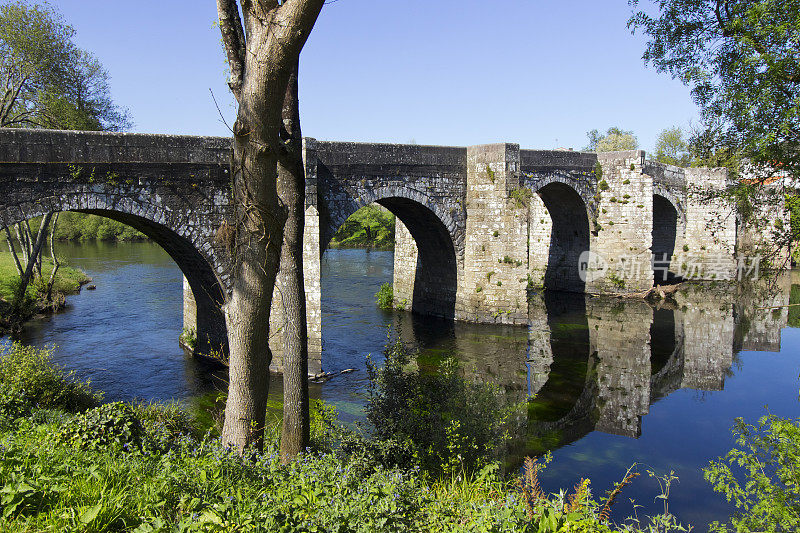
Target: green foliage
x=761, y=476
x=793, y=206
x=616, y=280
x=449, y=423
x=614, y=140
x=740, y=61
x=521, y=196
x=48, y=81
x=189, y=337
x=83, y=227
x=112, y=425
x=31, y=374
x=794, y=307
x=148, y=467
x=672, y=149
x=369, y=227
x=385, y=296
x=603, y=185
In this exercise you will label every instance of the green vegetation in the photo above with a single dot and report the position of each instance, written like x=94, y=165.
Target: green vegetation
x=761, y=476
x=67, y=281
x=794, y=307
x=70, y=464
x=369, y=227
x=48, y=81
x=672, y=148
x=385, y=296
x=82, y=227
x=613, y=140
x=740, y=61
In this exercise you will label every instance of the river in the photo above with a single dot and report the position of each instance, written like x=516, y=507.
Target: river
x=614, y=382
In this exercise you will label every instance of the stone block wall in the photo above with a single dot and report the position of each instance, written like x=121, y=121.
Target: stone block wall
x=622, y=233
x=709, y=245
x=405, y=266
x=493, y=285
x=540, y=234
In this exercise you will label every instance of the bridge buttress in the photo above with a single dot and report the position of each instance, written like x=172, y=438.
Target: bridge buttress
x=710, y=237
x=493, y=284
x=622, y=232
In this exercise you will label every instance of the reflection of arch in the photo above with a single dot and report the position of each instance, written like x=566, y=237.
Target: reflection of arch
x=665, y=233
x=204, y=281
x=569, y=236
x=435, y=281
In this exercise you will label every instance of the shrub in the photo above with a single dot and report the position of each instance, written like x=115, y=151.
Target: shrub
x=13, y=405
x=449, y=423
x=113, y=425
x=385, y=296
x=761, y=476
x=30, y=372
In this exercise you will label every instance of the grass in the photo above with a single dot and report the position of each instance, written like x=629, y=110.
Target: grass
x=68, y=279
x=144, y=467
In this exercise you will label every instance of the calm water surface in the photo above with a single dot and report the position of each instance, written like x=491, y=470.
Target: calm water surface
x=613, y=382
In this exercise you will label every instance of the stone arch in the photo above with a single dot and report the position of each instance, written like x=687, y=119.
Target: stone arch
x=569, y=234
x=672, y=198
x=582, y=187
x=378, y=195
x=436, y=275
x=187, y=246
x=666, y=231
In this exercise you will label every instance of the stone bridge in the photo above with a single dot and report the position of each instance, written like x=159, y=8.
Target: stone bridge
x=477, y=227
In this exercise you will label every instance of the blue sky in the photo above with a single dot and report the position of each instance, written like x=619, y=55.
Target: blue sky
x=452, y=72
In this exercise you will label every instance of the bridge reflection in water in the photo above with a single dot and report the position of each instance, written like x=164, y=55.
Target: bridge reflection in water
x=599, y=363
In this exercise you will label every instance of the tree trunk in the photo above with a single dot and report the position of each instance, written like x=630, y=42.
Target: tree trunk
x=292, y=190
x=32, y=260
x=10, y=241
x=261, y=52
x=53, y=258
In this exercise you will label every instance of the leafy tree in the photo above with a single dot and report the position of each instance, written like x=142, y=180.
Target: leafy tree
x=761, y=476
x=672, y=148
x=262, y=42
x=47, y=81
x=614, y=140
x=740, y=59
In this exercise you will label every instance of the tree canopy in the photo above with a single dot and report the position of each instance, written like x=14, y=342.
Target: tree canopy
x=47, y=81
x=614, y=140
x=672, y=149
x=741, y=60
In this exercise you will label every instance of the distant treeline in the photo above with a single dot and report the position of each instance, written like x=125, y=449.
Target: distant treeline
x=82, y=227
x=369, y=227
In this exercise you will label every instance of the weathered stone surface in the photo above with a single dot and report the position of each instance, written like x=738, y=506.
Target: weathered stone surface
x=477, y=225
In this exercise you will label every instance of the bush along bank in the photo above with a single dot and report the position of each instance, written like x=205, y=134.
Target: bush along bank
x=35, y=300
x=70, y=463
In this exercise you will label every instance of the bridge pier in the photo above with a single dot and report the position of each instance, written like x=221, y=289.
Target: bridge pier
x=493, y=283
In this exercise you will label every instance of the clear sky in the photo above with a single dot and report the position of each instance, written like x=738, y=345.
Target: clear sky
x=539, y=73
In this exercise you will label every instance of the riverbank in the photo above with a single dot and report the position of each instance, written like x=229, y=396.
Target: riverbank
x=371, y=227
x=69, y=463
x=68, y=281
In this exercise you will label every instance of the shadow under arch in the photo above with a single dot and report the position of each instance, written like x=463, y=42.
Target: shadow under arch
x=665, y=233
x=206, y=287
x=569, y=237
